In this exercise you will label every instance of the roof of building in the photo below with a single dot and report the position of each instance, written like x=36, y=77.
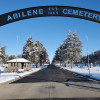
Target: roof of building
x=22, y=60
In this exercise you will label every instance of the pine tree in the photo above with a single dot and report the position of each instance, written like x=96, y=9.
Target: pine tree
x=28, y=50
x=41, y=55
x=74, y=48
x=2, y=55
x=35, y=52
x=69, y=51
x=11, y=57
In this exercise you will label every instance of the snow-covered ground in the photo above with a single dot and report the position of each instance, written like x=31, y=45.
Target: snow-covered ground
x=4, y=77
x=2, y=67
x=94, y=72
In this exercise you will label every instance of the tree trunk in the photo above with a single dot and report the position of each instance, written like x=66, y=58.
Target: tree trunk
x=41, y=63
x=72, y=64
x=36, y=65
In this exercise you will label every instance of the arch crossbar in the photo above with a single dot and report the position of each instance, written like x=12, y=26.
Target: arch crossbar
x=43, y=11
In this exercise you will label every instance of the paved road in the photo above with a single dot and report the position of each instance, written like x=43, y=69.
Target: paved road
x=51, y=83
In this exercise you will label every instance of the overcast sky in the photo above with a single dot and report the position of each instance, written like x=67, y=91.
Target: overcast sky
x=51, y=31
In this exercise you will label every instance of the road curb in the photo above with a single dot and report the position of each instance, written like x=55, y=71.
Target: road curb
x=87, y=77
x=12, y=80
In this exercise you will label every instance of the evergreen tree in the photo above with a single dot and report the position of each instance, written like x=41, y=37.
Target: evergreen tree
x=74, y=48
x=2, y=55
x=11, y=57
x=28, y=50
x=41, y=55
x=69, y=51
x=36, y=53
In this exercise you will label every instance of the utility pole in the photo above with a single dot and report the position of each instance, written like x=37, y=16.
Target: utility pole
x=88, y=55
x=67, y=58
x=16, y=52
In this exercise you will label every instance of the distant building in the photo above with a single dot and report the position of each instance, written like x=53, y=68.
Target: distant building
x=21, y=64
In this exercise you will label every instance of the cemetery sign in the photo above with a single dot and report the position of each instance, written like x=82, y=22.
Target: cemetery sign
x=43, y=11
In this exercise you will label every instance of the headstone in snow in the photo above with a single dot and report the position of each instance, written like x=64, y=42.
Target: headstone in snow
x=91, y=65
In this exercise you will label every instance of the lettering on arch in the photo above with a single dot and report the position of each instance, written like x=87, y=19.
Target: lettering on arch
x=43, y=11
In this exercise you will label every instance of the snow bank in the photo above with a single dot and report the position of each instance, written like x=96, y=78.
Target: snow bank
x=94, y=72
x=4, y=77
x=1, y=68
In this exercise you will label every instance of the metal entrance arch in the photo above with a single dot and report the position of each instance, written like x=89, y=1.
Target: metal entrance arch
x=43, y=11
